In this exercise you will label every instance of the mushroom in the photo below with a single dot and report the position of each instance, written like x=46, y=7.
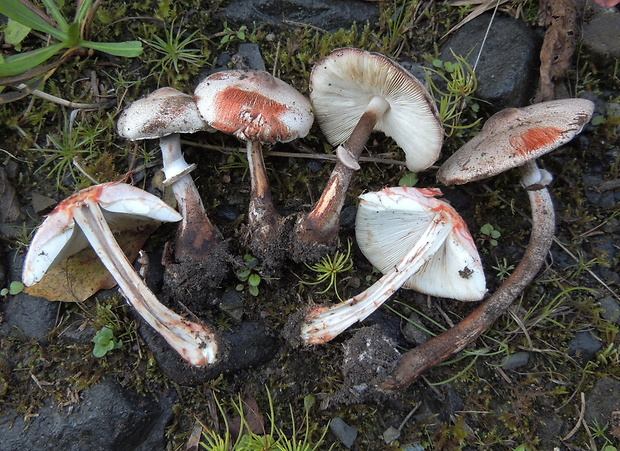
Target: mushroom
x=199, y=249
x=94, y=211
x=427, y=232
x=256, y=107
x=510, y=138
x=390, y=221
x=355, y=92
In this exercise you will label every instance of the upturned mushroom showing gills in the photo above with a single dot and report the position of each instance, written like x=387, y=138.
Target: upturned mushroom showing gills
x=391, y=221
x=86, y=218
x=424, y=233
x=354, y=93
x=257, y=108
x=509, y=139
x=197, y=260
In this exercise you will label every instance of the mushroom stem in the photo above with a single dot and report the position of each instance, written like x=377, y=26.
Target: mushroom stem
x=196, y=234
x=261, y=202
x=322, y=223
x=322, y=324
x=417, y=361
x=193, y=341
x=263, y=219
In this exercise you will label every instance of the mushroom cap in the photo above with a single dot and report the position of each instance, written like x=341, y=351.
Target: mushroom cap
x=344, y=83
x=254, y=106
x=161, y=113
x=512, y=137
x=390, y=222
x=124, y=207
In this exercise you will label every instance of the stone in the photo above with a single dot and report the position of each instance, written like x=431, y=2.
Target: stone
x=107, y=417
x=413, y=333
x=27, y=316
x=516, y=360
x=611, y=309
x=507, y=69
x=602, y=401
x=329, y=15
x=247, y=345
x=345, y=433
x=601, y=35
x=584, y=346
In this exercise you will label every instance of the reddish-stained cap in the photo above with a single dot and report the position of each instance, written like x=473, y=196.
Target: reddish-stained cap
x=514, y=136
x=254, y=106
x=390, y=222
x=161, y=113
x=344, y=83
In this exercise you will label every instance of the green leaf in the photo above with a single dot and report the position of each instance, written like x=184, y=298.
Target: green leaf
x=17, y=11
x=20, y=63
x=128, y=49
x=16, y=287
x=254, y=280
x=410, y=179
x=15, y=32
x=253, y=290
x=81, y=14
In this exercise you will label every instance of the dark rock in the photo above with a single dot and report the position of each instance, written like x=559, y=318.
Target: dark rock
x=611, y=309
x=28, y=316
x=345, y=433
x=516, y=360
x=601, y=35
x=602, y=401
x=550, y=427
x=413, y=333
x=248, y=56
x=227, y=212
x=347, y=218
x=108, y=417
x=248, y=345
x=584, y=346
x=232, y=304
x=506, y=71
x=329, y=15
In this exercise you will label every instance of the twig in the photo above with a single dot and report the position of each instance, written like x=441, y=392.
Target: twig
x=582, y=413
x=67, y=103
x=275, y=153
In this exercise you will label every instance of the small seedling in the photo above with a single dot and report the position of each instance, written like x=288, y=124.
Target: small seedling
x=248, y=275
x=230, y=35
x=329, y=268
x=409, y=179
x=174, y=48
x=489, y=234
x=14, y=288
x=460, y=84
x=503, y=269
x=105, y=341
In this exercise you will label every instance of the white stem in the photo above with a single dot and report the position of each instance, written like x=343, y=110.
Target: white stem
x=193, y=341
x=324, y=323
x=173, y=160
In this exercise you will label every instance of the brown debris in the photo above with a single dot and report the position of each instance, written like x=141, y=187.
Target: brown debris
x=559, y=17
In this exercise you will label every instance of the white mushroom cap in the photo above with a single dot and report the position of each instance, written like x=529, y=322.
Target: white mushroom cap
x=514, y=136
x=391, y=221
x=58, y=238
x=344, y=83
x=254, y=106
x=161, y=113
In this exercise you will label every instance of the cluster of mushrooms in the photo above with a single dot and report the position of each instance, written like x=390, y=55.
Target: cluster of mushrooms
x=415, y=239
